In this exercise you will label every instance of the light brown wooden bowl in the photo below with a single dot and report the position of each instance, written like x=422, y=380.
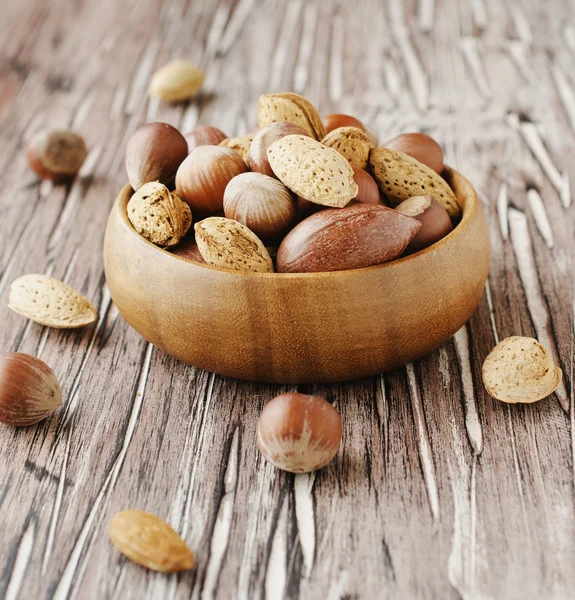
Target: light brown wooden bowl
x=300, y=327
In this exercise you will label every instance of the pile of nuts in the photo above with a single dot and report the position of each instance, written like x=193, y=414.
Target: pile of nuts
x=302, y=194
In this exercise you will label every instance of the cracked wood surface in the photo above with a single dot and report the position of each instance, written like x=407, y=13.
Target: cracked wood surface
x=438, y=491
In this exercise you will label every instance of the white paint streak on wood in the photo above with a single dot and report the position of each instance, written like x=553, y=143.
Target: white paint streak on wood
x=569, y=36
x=472, y=423
x=340, y=586
x=416, y=74
x=521, y=243
x=502, y=204
x=239, y=17
x=516, y=469
x=276, y=574
x=565, y=192
x=222, y=528
x=535, y=143
x=216, y=30
x=425, y=453
x=392, y=77
x=303, y=486
x=566, y=93
x=23, y=554
x=540, y=216
x=491, y=311
x=280, y=57
x=75, y=567
x=469, y=46
x=139, y=88
x=520, y=53
x=444, y=366
x=336, y=60
x=521, y=22
x=301, y=71
x=479, y=13
x=426, y=15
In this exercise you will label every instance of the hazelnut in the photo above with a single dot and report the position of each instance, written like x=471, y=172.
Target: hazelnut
x=368, y=190
x=154, y=153
x=204, y=135
x=305, y=208
x=56, y=154
x=421, y=147
x=336, y=121
x=435, y=222
x=202, y=178
x=158, y=215
x=299, y=433
x=262, y=204
x=257, y=157
x=29, y=390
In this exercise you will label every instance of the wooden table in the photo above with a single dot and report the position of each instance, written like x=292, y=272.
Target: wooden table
x=438, y=490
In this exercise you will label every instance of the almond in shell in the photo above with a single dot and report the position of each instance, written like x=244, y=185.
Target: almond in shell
x=399, y=177
x=240, y=144
x=227, y=244
x=150, y=542
x=292, y=108
x=50, y=302
x=353, y=237
x=351, y=142
x=520, y=369
x=313, y=171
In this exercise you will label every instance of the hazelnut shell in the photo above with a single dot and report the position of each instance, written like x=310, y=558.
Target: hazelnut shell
x=435, y=222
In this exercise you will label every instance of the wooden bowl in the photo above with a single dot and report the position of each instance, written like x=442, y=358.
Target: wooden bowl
x=300, y=327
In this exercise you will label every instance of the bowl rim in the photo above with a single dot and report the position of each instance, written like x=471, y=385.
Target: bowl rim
x=468, y=211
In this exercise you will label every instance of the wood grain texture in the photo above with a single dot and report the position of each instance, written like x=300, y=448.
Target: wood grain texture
x=438, y=491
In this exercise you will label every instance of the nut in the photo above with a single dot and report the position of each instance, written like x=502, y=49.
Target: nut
x=262, y=204
x=292, y=108
x=313, y=171
x=368, y=191
x=240, y=144
x=158, y=215
x=305, y=208
x=175, y=81
x=360, y=235
x=421, y=147
x=204, y=135
x=257, y=157
x=336, y=121
x=351, y=142
x=150, y=542
x=202, y=178
x=154, y=153
x=228, y=244
x=520, y=369
x=299, y=433
x=50, y=302
x=56, y=154
x=29, y=390
x=188, y=250
x=435, y=222
x=399, y=177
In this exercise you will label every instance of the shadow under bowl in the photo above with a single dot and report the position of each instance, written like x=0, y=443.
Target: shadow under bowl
x=300, y=327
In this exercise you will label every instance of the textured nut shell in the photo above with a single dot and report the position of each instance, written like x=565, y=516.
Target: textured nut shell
x=154, y=153
x=400, y=177
x=435, y=222
x=150, y=542
x=357, y=236
x=299, y=433
x=240, y=144
x=50, y=302
x=351, y=142
x=313, y=171
x=202, y=178
x=257, y=157
x=175, y=81
x=520, y=369
x=56, y=154
x=228, y=244
x=158, y=215
x=421, y=147
x=262, y=204
x=29, y=390
x=292, y=108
